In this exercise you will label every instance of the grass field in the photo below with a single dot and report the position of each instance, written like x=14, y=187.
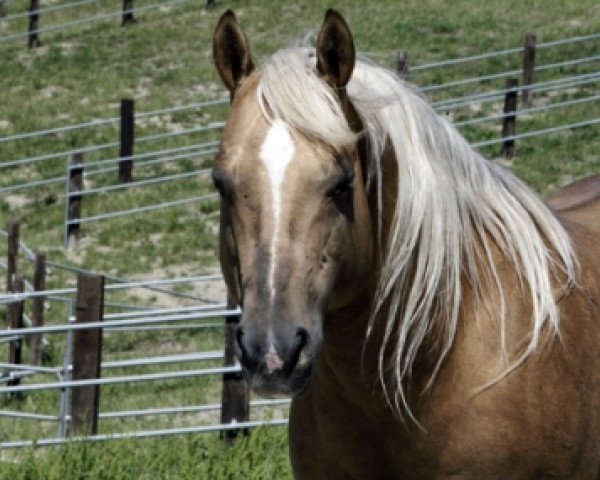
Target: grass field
x=80, y=74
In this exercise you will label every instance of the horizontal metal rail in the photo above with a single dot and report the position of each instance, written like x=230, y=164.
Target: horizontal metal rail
x=11, y=339
x=164, y=328
x=29, y=416
x=161, y=136
x=61, y=155
x=197, y=154
x=90, y=166
x=498, y=94
x=48, y=442
x=163, y=311
x=545, y=131
x=187, y=409
x=284, y=402
x=509, y=73
x=116, y=323
x=499, y=53
x=99, y=171
x=20, y=296
x=112, y=120
x=165, y=359
x=96, y=18
x=139, y=183
x=92, y=148
x=45, y=10
x=527, y=111
x=29, y=368
x=181, y=108
x=472, y=58
x=147, y=208
x=176, y=375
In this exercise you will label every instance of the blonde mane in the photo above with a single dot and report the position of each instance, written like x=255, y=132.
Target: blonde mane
x=451, y=207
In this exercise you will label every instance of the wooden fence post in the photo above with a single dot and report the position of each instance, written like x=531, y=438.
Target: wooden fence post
x=39, y=285
x=510, y=117
x=87, y=354
x=32, y=38
x=402, y=64
x=74, y=201
x=12, y=251
x=15, y=322
x=127, y=12
x=235, y=396
x=528, y=69
x=127, y=138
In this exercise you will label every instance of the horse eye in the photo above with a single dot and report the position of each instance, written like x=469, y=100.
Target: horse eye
x=342, y=186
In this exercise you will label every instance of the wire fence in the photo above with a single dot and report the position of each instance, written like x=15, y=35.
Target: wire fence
x=80, y=21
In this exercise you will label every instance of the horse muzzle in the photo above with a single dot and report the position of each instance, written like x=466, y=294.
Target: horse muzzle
x=275, y=365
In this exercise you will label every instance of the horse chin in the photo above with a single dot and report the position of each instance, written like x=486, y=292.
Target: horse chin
x=278, y=385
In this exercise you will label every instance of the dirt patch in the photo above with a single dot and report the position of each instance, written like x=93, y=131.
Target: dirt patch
x=206, y=291
x=17, y=201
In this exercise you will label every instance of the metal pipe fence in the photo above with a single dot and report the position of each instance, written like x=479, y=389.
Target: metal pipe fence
x=126, y=320
x=48, y=442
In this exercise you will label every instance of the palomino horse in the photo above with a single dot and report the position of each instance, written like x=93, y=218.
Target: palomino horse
x=429, y=314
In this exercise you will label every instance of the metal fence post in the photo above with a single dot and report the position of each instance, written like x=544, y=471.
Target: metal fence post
x=65, y=375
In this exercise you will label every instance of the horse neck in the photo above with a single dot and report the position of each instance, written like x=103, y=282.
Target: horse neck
x=347, y=346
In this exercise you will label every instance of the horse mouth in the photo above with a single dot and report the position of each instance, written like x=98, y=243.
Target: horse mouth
x=280, y=383
x=283, y=382
x=271, y=374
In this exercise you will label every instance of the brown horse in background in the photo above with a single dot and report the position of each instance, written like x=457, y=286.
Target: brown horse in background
x=429, y=314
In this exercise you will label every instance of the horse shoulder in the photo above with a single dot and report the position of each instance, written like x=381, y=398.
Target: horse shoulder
x=543, y=417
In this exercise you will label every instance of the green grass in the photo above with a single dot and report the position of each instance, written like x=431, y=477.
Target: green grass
x=81, y=73
x=260, y=456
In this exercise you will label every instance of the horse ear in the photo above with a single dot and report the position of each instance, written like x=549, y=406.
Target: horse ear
x=231, y=52
x=335, y=50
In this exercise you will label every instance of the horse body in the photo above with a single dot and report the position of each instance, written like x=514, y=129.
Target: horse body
x=579, y=201
x=541, y=421
x=424, y=308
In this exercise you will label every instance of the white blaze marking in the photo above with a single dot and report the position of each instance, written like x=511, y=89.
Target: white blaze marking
x=276, y=153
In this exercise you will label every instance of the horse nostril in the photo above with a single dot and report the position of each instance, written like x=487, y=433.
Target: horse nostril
x=244, y=356
x=239, y=333
x=300, y=342
x=302, y=335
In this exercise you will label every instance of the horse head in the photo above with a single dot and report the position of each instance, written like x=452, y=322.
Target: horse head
x=295, y=227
